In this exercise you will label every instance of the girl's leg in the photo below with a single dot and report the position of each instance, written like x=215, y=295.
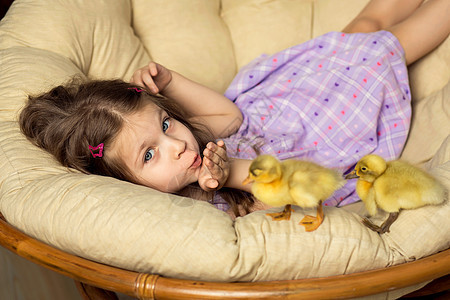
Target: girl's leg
x=424, y=30
x=381, y=14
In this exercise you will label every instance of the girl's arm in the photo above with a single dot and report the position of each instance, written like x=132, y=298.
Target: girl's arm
x=205, y=105
x=238, y=172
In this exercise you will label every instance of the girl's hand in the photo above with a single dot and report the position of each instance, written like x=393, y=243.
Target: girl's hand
x=153, y=76
x=215, y=167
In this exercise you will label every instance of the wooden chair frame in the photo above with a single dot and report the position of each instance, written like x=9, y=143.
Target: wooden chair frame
x=95, y=280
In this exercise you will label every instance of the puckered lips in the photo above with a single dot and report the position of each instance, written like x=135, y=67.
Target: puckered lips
x=196, y=162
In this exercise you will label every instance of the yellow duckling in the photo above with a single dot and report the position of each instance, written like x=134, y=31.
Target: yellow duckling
x=393, y=186
x=301, y=183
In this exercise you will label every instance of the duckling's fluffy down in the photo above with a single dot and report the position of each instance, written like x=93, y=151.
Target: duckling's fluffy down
x=403, y=186
x=311, y=183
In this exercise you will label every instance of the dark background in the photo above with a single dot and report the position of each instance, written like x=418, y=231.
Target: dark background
x=4, y=5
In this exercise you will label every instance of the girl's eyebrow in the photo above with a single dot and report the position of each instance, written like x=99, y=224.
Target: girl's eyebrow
x=143, y=146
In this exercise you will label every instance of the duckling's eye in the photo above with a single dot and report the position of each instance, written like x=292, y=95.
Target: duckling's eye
x=256, y=172
x=149, y=155
x=165, y=124
x=363, y=169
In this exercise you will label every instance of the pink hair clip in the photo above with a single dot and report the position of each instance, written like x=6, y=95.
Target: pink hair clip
x=137, y=90
x=99, y=148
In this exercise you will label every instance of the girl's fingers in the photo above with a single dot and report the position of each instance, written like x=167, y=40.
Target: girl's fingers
x=216, y=159
x=212, y=183
x=220, y=151
x=212, y=165
x=136, y=78
x=148, y=81
x=153, y=68
x=222, y=145
x=214, y=168
x=144, y=77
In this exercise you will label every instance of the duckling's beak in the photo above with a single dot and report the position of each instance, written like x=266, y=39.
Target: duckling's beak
x=351, y=175
x=247, y=180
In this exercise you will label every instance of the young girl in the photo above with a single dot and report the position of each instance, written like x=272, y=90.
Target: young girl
x=331, y=100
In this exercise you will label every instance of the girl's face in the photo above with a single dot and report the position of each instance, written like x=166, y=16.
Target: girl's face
x=160, y=151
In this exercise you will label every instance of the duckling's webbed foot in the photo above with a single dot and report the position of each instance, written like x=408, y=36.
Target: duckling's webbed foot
x=385, y=226
x=312, y=223
x=372, y=226
x=284, y=215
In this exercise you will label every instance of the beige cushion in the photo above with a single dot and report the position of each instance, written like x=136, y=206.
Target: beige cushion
x=43, y=43
x=429, y=127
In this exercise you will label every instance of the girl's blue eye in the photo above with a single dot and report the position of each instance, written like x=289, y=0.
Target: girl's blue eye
x=166, y=124
x=149, y=154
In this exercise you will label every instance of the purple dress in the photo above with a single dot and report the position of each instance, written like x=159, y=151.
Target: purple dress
x=330, y=100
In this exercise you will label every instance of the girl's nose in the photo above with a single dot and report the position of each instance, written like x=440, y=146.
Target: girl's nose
x=175, y=146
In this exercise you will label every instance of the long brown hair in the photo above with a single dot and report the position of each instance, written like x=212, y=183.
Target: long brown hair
x=69, y=118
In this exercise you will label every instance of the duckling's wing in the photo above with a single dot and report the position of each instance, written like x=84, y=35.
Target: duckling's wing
x=425, y=186
x=403, y=186
x=302, y=189
x=308, y=187
x=393, y=193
